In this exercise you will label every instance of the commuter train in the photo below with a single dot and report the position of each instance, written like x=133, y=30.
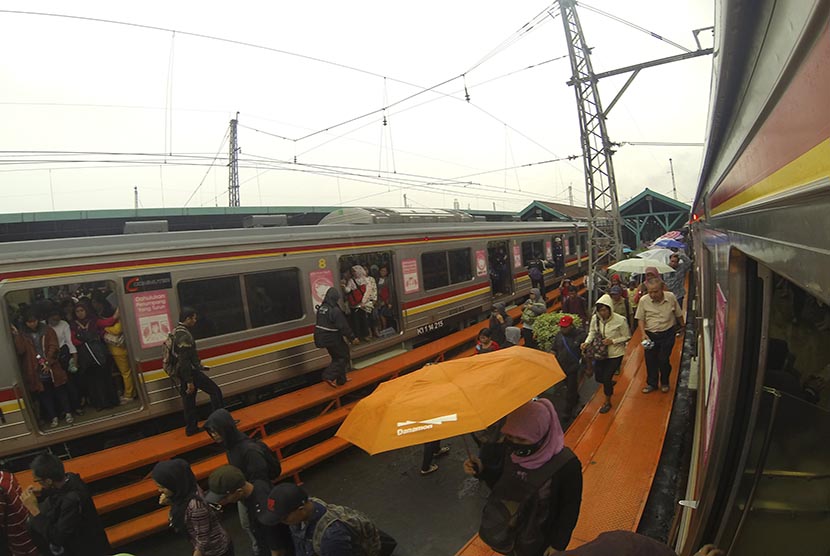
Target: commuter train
x=255, y=291
x=759, y=480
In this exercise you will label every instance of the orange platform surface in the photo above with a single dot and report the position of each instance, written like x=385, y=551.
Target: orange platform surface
x=619, y=451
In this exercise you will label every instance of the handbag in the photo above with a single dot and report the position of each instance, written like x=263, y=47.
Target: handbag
x=597, y=350
x=116, y=340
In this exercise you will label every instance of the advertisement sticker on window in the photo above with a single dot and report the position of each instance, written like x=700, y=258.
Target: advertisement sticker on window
x=481, y=263
x=320, y=281
x=517, y=256
x=152, y=315
x=411, y=280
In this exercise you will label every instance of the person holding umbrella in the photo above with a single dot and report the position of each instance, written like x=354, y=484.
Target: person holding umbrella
x=536, y=492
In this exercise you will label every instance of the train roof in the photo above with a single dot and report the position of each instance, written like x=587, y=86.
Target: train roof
x=64, y=248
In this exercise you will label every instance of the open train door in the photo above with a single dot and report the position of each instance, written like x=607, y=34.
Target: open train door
x=501, y=278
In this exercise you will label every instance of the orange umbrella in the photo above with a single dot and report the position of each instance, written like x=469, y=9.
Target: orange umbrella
x=449, y=399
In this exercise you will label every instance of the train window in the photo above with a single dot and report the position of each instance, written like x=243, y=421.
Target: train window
x=571, y=247
x=218, y=300
x=442, y=268
x=583, y=243
x=273, y=296
x=531, y=250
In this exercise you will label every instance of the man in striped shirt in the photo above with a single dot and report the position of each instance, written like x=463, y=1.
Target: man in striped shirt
x=13, y=515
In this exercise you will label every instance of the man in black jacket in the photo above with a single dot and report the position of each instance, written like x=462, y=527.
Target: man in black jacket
x=64, y=520
x=566, y=348
x=190, y=371
x=329, y=332
x=245, y=455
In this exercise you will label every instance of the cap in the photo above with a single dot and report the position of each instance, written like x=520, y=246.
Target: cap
x=567, y=320
x=282, y=500
x=223, y=481
x=557, y=239
x=616, y=277
x=615, y=290
x=566, y=280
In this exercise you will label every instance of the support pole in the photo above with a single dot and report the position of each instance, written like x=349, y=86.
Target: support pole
x=233, y=166
x=673, y=184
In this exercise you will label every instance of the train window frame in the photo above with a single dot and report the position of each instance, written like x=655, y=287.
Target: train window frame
x=197, y=330
x=529, y=249
x=428, y=270
x=296, y=295
x=571, y=245
x=583, y=242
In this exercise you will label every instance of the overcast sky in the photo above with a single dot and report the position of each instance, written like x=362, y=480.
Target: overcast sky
x=74, y=86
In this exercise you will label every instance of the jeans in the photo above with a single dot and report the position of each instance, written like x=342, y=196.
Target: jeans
x=206, y=385
x=604, y=370
x=657, y=358
x=54, y=401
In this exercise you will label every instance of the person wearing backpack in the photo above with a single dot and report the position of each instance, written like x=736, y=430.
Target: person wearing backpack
x=567, y=349
x=329, y=331
x=536, y=491
x=536, y=271
x=63, y=516
x=321, y=529
x=228, y=486
x=190, y=372
x=252, y=457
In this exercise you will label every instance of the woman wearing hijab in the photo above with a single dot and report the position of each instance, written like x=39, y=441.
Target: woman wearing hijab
x=613, y=329
x=536, y=488
x=499, y=321
x=189, y=512
x=93, y=356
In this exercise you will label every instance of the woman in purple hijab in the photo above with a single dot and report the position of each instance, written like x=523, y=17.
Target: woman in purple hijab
x=536, y=492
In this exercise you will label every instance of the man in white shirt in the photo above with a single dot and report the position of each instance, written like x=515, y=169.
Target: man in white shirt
x=658, y=315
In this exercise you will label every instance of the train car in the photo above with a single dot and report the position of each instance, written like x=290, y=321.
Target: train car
x=760, y=469
x=255, y=291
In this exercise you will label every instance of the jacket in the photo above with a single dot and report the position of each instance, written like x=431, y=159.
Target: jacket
x=497, y=329
x=532, y=308
x=616, y=328
x=241, y=450
x=25, y=347
x=331, y=325
x=570, y=355
x=68, y=519
x=337, y=540
x=187, y=358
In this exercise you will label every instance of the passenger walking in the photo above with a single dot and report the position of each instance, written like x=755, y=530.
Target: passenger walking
x=612, y=329
x=321, y=529
x=621, y=305
x=37, y=348
x=253, y=458
x=13, y=516
x=660, y=319
x=499, y=321
x=566, y=347
x=329, y=332
x=228, y=485
x=676, y=281
x=432, y=450
x=573, y=303
x=189, y=512
x=63, y=517
x=93, y=356
x=190, y=371
x=536, y=492
x=532, y=308
x=642, y=290
x=536, y=271
x=485, y=342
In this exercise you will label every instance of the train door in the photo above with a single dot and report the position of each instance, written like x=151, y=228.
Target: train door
x=87, y=374
x=779, y=498
x=368, y=288
x=501, y=279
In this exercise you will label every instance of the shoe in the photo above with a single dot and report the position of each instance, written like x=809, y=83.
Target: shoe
x=122, y=400
x=54, y=422
x=605, y=408
x=442, y=452
x=649, y=389
x=331, y=383
x=69, y=419
x=432, y=469
x=79, y=412
x=664, y=388
x=194, y=432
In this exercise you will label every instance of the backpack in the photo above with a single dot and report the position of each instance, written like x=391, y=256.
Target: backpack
x=169, y=360
x=365, y=535
x=274, y=467
x=535, y=274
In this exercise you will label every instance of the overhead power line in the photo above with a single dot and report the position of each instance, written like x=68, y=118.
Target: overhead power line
x=632, y=25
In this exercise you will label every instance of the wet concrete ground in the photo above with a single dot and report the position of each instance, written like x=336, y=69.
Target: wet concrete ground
x=433, y=515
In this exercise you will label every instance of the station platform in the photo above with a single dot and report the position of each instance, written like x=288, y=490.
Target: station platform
x=619, y=451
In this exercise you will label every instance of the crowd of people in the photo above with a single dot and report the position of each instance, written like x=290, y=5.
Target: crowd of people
x=370, y=301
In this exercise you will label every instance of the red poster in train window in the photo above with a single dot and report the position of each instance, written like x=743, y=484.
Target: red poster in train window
x=567, y=245
x=517, y=256
x=320, y=281
x=717, y=364
x=152, y=316
x=548, y=250
x=411, y=280
x=481, y=263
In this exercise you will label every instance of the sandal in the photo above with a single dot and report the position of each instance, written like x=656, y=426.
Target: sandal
x=442, y=452
x=331, y=383
x=432, y=469
x=605, y=408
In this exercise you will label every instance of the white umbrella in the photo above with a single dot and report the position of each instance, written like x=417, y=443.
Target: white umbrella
x=639, y=266
x=657, y=254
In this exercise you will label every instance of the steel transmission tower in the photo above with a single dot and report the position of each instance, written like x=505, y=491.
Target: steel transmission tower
x=604, y=236
x=233, y=166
